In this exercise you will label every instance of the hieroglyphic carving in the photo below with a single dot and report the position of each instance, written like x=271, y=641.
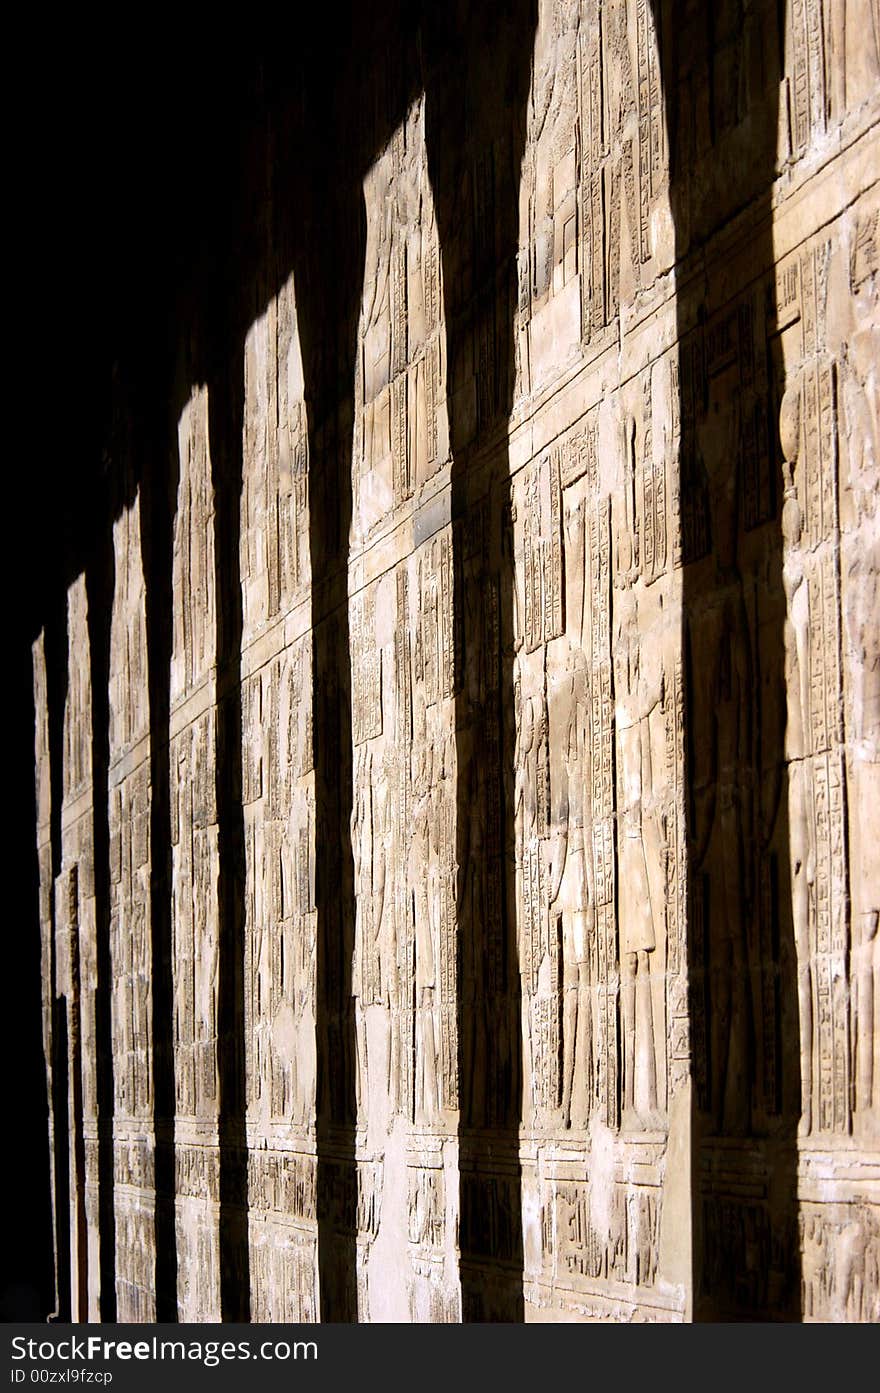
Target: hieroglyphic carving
x=859, y=455
x=427, y=1202
x=638, y=691
x=807, y=79
x=77, y=767
x=367, y=835
x=542, y=520
x=193, y=577
x=366, y=664
x=437, y=657
x=136, y=1281
x=252, y=742
x=195, y=917
x=539, y=947
x=549, y=293
x=621, y=1246
x=194, y=889
x=578, y=454
x=653, y=521
x=602, y=766
x=592, y=203
x=399, y=955
x=676, y=879
x=401, y=430
x=650, y=827
x=650, y=108
x=279, y=831
x=817, y=777
x=282, y=1274
x=131, y=966
x=274, y=515
x=424, y=950
x=128, y=682
x=280, y=899
x=376, y=476
x=572, y=899
x=448, y=946
x=130, y=939
x=622, y=154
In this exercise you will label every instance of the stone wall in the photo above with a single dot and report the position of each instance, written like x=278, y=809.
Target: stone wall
x=487, y=923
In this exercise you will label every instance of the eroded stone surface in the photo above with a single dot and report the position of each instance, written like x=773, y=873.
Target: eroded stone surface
x=602, y=733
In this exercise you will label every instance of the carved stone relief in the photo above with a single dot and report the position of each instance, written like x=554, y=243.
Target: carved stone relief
x=614, y=676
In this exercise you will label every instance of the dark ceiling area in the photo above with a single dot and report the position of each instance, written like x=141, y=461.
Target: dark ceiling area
x=123, y=176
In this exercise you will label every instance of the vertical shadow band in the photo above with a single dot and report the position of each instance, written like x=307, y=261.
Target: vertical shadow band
x=159, y=479
x=27, y=1292
x=226, y=416
x=100, y=582
x=56, y=649
x=333, y=281
x=721, y=76
x=477, y=74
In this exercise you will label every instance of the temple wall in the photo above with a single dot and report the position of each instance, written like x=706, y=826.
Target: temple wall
x=609, y=710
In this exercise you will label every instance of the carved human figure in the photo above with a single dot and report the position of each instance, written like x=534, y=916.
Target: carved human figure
x=571, y=894
x=362, y=856
x=394, y=934
x=531, y=880
x=637, y=692
x=525, y=758
x=441, y=861
x=383, y=917
x=418, y=866
x=373, y=490
x=575, y=572
x=797, y=682
x=471, y=913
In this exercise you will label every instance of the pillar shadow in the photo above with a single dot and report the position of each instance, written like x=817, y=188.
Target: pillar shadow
x=61, y=1152
x=226, y=416
x=159, y=475
x=328, y=262
x=721, y=68
x=100, y=582
x=27, y=1285
x=477, y=67
x=77, y=1138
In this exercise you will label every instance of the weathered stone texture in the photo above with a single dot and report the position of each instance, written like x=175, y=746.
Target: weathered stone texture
x=582, y=1022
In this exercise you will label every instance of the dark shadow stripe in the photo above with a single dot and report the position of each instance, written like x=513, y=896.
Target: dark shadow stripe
x=56, y=652
x=27, y=1286
x=331, y=290
x=226, y=416
x=477, y=83
x=741, y=955
x=158, y=472
x=100, y=584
